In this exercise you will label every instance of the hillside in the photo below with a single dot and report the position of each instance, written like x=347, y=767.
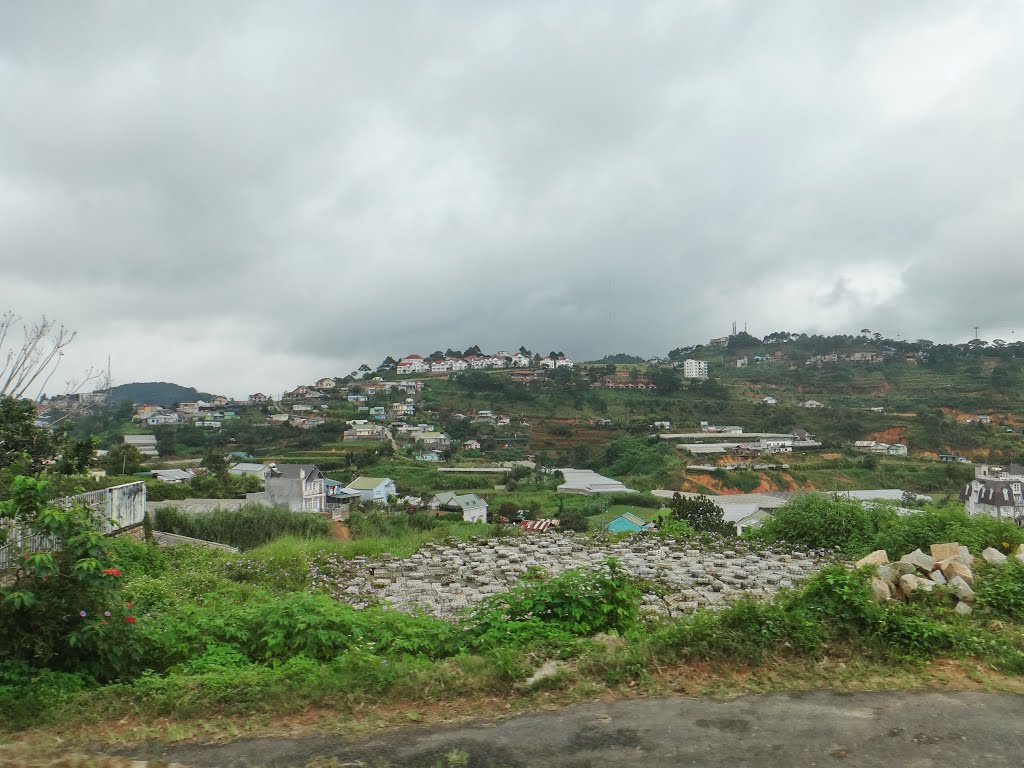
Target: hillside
x=160, y=393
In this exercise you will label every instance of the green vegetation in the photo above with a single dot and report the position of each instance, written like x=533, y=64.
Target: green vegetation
x=820, y=522
x=700, y=514
x=247, y=527
x=218, y=636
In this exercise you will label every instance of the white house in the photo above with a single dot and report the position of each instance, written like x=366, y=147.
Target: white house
x=458, y=364
x=159, y=419
x=325, y=383
x=441, y=366
x=472, y=507
x=769, y=400
x=412, y=364
x=695, y=369
x=519, y=360
x=377, y=489
x=403, y=409
x=811, y=404
x=471, y=445
x=998, y=498
x=433, y=439
x=299, y=487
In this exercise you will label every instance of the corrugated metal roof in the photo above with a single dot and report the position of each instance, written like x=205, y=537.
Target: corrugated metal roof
x=538, y=526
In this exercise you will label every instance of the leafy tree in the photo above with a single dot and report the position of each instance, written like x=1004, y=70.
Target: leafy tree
x=216, y=465
x=666, y=380
x=19, y=436
x=700, y=513
x=474, y=350
x=123, y=459
x=77, y=456
x=572, y=519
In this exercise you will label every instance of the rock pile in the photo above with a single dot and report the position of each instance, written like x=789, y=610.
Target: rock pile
x=445, y=578
x=948, y=567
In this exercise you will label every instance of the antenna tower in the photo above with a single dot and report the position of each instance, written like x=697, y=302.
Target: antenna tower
x=975, y=331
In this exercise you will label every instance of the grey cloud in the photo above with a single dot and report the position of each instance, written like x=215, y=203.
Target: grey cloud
x=289, y=190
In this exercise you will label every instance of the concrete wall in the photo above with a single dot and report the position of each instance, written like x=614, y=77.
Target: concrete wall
x=196, y=505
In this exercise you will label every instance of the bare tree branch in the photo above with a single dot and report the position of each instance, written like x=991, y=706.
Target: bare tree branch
x=27, y=368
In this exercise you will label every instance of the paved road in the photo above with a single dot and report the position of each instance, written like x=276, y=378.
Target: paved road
x=910, y=730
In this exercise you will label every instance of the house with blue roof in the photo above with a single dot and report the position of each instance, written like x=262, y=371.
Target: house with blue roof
x=629, y=523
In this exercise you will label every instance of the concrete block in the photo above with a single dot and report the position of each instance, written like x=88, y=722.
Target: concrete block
x=962, y=589
x=994, y=556
x=908, y=583
x=919, y=560
x=878, y=557
x=951, y=568
x=943, y=551
x=887, y=573
x=880, y=590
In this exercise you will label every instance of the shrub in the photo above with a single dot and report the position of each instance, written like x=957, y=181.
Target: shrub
x=63, y=609
x=1000, y=589
x=819, y=521
x=575, y=603
x=246, y=528
x=950, y=523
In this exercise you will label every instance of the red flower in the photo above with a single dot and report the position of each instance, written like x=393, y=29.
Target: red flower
x=111, y=572
x=130, y=619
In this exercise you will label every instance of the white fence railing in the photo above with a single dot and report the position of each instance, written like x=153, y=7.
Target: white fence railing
x=121, y=506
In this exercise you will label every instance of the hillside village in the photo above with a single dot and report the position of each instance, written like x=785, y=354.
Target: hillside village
x=463, y=414
x=432, y=485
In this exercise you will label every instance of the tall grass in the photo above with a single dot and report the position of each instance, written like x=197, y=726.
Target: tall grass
x=250, y=526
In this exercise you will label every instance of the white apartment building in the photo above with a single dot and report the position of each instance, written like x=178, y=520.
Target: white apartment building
x=695, y=369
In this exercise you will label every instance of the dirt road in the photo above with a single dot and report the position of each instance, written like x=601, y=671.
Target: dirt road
x=915, y=730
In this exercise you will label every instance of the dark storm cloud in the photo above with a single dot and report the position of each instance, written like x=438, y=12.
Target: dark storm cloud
x=244, y=195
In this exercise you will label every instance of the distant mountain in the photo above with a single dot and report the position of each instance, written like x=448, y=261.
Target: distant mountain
x=155, y=393
x=621, y=359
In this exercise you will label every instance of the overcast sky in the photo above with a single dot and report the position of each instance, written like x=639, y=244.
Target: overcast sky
x=243, y=196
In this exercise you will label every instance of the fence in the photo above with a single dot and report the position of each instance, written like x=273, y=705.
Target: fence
x=114, y=509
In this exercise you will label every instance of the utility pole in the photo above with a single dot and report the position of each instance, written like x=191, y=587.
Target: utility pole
x=975, y=332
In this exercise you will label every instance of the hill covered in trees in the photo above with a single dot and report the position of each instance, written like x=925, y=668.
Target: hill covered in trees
x=160, y=393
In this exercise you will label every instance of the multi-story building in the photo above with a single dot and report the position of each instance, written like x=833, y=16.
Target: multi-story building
x=695, y=369
x=300, y=487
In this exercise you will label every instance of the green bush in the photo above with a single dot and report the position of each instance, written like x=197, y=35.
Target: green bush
x=944, y=524
x=246, y=528
x=819, y=521
x=576, y=603
x=30, y=697
x=1000, y=589
x=62, y=608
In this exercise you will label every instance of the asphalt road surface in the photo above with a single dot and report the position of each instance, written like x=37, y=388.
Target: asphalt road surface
x=909, y=730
